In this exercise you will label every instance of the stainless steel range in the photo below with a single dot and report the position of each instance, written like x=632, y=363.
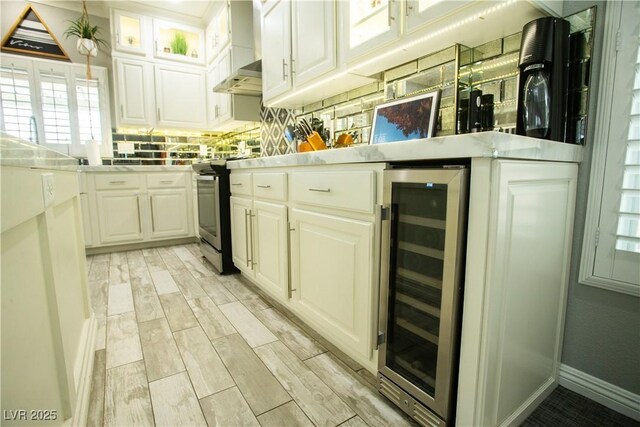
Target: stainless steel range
x=213, y=214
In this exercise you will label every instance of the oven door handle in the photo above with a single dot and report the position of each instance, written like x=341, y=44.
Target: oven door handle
x=207, y=177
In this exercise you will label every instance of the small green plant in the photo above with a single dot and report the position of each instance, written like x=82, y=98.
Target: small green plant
x=179, y=44
x=82, y=29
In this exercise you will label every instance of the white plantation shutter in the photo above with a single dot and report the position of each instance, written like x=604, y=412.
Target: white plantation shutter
x=88, y=100
x=15, y=96
x=55, y=107
x=611, y=250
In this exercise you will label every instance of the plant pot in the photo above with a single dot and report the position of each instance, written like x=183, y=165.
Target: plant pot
x=87, y=47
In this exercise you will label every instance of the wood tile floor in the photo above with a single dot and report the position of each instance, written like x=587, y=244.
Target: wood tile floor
x=180, y=345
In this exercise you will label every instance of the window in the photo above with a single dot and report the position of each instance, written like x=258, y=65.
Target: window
x=53, y=104
x=611, y=250
x=15, y=96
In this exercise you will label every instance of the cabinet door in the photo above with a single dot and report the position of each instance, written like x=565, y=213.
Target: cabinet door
x=422, y=12
x=180, y=97
x=276, y=48
x=134, y=83
x=170, y=213
x=313, y=49
x=368, y=25
x=129, y=32
x=331, y=264
x=119, y=216
x=86, y=219
x=241, y=239
x=178, y=42
x=271, y=254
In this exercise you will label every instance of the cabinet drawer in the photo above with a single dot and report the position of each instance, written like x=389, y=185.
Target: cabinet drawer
x=271, y=186
x=166, y=180
x=349, y=190
x=117, y=181
x=240, y=183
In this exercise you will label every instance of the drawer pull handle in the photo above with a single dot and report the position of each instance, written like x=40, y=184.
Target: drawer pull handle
x=321, y=190
x=236, y=183
x=168, y=181
x=117, y=182
x=264, y=186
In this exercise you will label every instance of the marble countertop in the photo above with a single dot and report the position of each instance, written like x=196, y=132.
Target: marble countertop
x=483, y=144
x=136, y=168
x=20, y=153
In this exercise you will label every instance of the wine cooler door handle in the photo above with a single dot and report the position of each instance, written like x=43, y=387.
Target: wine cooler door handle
x=383, y=214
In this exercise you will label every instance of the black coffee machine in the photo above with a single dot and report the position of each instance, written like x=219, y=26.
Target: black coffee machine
x=543, y=81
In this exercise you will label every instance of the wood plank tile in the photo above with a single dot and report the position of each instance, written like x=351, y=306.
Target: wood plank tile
x=214, y=323
x=153, y=260
x=170, y=259
x=247, y=325
x=95, y=416
x=127, y=401
x=198, y=268
x=149, y=252
x=175, y=403
x=161, y=355
x=194, y=248
x=101, y=333
x=187, y=284
x=319, y=402
x=123, y=342
x=101, y=258
x=98, y=283
x=206, y=370
x=118, y=268
x=292, y=336
x=182, y=252
x=249, y=298
x=368, y=378
x=354, y=422
x=228, y=408
x=287, y=415
x=374, y=409
x=178, y=312
x=216, y=290
x=260, y=389
x=135, y=256
x=145, y=299
x=163, y=282
x=120, y=299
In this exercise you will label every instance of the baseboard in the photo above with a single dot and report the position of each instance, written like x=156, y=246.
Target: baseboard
x=85, y=376
x=531, y=404
x=607, y=394
x=97, y=250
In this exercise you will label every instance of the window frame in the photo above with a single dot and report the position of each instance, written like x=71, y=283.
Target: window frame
x=600, y=152
x=34, y=67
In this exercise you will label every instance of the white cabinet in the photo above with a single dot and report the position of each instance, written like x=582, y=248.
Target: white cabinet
x=276, y=48
x=178, y=42
x=302, y=49
x=421, y=12
x=136, y=207
x=134, y=92
x=218, y=33
x=129, y=32
x=331, y=260
x=180, y=97
x=271, y=248
x=241, y=239
x=170, y=216
x=119, y=216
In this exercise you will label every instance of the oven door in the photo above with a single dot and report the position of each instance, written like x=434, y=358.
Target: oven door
x=209, y=209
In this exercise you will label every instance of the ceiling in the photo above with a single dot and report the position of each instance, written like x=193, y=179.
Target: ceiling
x=191, y=9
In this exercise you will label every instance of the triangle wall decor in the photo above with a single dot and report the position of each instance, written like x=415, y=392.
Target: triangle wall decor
x=30, y=35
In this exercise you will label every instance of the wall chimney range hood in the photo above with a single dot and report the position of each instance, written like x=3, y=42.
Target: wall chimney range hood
x=246, y=80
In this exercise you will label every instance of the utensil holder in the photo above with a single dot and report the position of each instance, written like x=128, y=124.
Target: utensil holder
x=316, y=142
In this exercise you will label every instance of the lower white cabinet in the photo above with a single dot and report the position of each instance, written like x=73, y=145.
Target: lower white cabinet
x=119, y=216
x=259, y=244
x=129, y=208
x=170, y=216
x=331, y=277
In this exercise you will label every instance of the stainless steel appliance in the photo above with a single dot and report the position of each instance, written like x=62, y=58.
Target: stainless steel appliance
x=214, y=221
x=423, y=243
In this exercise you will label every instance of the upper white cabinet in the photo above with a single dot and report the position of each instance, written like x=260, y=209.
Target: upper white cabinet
x=129, y=32
x=178, y=42
x=218, y=33
x=276, y=48
x=421, y=12
x=367, y=24
x=134, y=92
x=180, y=99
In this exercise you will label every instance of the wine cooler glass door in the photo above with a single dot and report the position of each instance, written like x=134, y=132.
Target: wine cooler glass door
x=421, y=268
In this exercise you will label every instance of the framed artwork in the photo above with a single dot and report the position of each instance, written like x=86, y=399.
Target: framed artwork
x=406, y=119
x=29, y=35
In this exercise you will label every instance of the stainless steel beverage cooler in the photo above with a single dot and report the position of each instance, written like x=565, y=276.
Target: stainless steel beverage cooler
x=423, y=243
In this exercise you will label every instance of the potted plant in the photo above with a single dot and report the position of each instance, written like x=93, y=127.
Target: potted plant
x=88, y=36
x=179, y=44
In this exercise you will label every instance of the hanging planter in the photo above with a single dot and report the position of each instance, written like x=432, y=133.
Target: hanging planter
x=88, y=37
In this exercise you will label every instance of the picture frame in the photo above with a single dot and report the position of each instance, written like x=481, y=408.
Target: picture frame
x=406, y=119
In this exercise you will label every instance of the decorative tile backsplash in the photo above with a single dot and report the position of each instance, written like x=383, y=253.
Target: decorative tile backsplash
x=274, y=123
